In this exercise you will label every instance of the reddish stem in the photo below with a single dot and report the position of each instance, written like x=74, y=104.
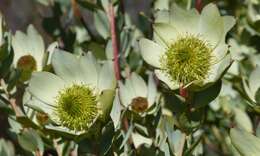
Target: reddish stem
x=114, y=39
x=198, y=5
x=183, y=92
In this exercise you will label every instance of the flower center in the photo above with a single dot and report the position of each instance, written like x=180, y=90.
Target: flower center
x=77, y=107
x=26, y=64
x=188, y=59
x=139, y=104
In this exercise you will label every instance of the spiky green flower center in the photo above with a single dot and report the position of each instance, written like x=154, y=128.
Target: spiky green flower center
x=26, y=64
x=188, y=59
x=77, y=107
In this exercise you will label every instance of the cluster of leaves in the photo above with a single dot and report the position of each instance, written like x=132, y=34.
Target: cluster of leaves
x=141, y=115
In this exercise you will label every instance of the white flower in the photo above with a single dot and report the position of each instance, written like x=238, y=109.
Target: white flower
x=79, y=95
x=189, y=48
x=28, y=44
x=136, y=95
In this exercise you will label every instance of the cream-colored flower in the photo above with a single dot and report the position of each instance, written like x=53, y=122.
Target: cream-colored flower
x=28, y=51
x=80, y=94
x=136, y=95
x=189, y=48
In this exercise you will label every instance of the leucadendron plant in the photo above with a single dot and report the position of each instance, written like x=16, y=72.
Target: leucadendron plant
x=78, y=98
x=188, y=48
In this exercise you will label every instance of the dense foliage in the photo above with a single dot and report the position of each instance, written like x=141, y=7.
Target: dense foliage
x=129, y=77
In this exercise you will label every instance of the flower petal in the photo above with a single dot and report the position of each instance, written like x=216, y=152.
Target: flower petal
x=151, y=52
x=45, y=86
x=163, y=77
x=107, y=77
x=217, y=70
x=139, y=86
x=67, y=66
x=162, y=16
x=228, y=22
x=125, y=95
x=32, y=102
x=106, y=101
x=37, y=45
x=254, y=80
x=219, y=52
x=20, y=46
x=30, y=44
x=185, y=21
x=152, y=90
x=211, y=25
x=90, y=69
x=165, y=34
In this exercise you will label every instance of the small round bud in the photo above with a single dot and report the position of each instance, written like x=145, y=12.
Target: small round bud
x=26, y=64
x=139, y=104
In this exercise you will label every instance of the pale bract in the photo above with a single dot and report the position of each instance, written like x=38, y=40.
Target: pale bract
x=188, y=48
x=136, y=95
x=31, y=44
x=80, y=94
x=252, y=86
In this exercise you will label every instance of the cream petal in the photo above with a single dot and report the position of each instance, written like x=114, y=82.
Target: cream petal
x=36, y=45
x=211, y=26
x=185, y=21
x=151, y=52
x=163, y=77
x=152, y=90
x=20, y=46
x=254, y=80
x=165, y=34
x=228, y=22
x=219, y=53
x=45, y=86
x=90, y=69
x=162, y=16
x=126, y=94
x=218, y=69
x=139, y=85
x=107, y=78
x=30, y=102
x=66, y=65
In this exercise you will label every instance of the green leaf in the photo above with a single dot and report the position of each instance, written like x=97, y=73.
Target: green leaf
x=26, y=122
x=88, y=5
x=204, y=97
x=107, y=138
x=243, y=120
x=30, y=140
x=246, y=143
x=101, y=23
x=139, y=140
x=258, y=130
x=106, y=101
x=97, y=50
x=116, y=111
x=6, y=148
x=5, y=108
x=15, y=126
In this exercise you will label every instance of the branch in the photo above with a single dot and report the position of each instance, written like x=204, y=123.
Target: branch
x=198, y=5
x=111, y=17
